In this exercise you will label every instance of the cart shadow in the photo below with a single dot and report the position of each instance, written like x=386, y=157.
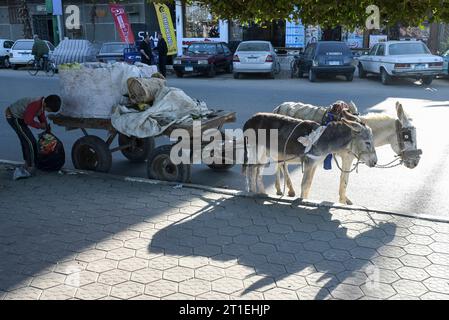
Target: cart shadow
x=275, y=240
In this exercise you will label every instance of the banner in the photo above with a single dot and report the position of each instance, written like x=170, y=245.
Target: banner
x=121, y=23
x=294, y=34
x=166, y=26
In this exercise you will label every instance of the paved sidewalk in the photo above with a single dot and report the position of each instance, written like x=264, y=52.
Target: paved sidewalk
x=86, y=237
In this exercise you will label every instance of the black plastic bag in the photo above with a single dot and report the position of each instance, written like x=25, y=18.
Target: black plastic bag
x=51, y=154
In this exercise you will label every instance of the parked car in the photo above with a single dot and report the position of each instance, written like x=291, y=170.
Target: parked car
x=20, y=53
x=72, y=50
x=255, y=57
x=330, y=58
x=405, y=59
x=5, y=49
x=111, y=52
x=204, y=57
x=446, y=64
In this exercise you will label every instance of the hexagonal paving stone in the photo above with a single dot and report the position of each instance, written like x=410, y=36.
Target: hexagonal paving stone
x=280, y=294
x=48, y=280
x=347, y=292
x=343, y=244
x=27, y=293
x=193, y=262
x=120, y=254
x=239, y=272
x=93, y=291
x=207, y=250
x=146, y=275
x=258, y=283
x=441, y=237
x=243, y=295
x=114, y=277
x=336, y=255
x=435, y=296
x=354, y=278
x=270, y=269
x=82, y=278
x=178, y=274
x=363, y=253
x=127, y=290
x=329, y=266
x=102, y=265
x=316, y=245
x=91, y=255
x=281, y=258
x=133, y=264
x=409, y=287
x=308, y=256
x=209, y=273
x=437, y=285
x=387, y=263
x=411, y=273
x=163, y=262
x=419, y=239
x=421, y=230
x=262, y=248
x=227, y=285
x=415, y=261
x=313, y=293
x=321, y=279
x=402, y=297
x=323, y=235
x=378, y=290
x=136, y=244
x=439, y=271
x=440, y=247
x=246, y=239
x=417, y=249
x=385, y=276
x=291, y=282
x=212, y=295
x=194, y=287
x=391, y=251
x=223, y=260
x=161, y=288
x=439, y=258
x=368, y=242
x=61, y=292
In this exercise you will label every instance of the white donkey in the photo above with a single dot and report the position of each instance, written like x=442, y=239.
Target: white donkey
x=399, y=133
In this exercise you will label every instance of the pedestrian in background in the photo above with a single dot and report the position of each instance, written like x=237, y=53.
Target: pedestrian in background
x=162, y=49
x=145, y=50
x=39, y=50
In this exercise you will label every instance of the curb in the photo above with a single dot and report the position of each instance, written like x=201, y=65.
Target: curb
x=238, y=193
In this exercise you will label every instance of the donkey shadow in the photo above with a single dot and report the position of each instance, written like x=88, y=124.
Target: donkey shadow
x=254, y=231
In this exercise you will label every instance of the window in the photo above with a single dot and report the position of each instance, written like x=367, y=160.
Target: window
x=220, y=49
x=199, y=23
x=8, y=44
x=254, y=46
x=408, y=48
x=51, y=46
x=23, y=45
x=381, y=50
x=202, y=48
x=373, y=50
x=113, y=48
x=309, y=51
x=333, y=48
x=226, y=50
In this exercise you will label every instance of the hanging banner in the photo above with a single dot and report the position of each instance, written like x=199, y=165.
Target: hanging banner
x=166, y=26
x=121, y=23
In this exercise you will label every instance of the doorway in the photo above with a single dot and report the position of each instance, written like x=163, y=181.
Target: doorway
x=43, y=26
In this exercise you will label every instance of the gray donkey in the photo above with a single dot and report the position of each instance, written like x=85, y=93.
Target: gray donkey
x=301, y=140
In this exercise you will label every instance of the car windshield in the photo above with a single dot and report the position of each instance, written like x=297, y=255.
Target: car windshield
x=333, y=48
x=113, y=48
x=23, y=45
x=408, y=48
x=254, y=46
x=202, y=48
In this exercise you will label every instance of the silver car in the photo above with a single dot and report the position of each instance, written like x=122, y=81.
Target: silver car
x=255, y=57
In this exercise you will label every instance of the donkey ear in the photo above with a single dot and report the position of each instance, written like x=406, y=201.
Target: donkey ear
x=402, y=116
x=349, y=116
x=354, y=126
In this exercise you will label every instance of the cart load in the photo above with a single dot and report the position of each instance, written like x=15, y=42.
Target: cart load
x=90, y=90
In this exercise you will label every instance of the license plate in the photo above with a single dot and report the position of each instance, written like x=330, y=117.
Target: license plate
x=334, y=63
x=421, y=66
x=188, y=68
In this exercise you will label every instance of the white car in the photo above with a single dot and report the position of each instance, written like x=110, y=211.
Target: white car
x=407, y=59
x=5, y=48
x=20, y=53
x=255, y=57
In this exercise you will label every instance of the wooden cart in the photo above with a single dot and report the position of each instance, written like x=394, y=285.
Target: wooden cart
x=90, y=152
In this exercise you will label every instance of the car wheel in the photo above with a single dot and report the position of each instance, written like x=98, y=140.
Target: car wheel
x=229, y=68
x=427, y=80
x=15, y=67
x=212, y=72
x=179, y=74
x=312, y=76
x=271, y=74
x=236, y=75
x=6, y=63
x=349, y=77
x=362, y=72
x=385, y=77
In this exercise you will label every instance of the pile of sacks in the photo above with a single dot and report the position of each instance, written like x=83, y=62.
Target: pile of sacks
x=90, y=90
x=154, y=107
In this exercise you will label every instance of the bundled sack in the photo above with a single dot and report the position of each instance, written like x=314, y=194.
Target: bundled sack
x=90, y=90
x=50, y=154
x=143, y=90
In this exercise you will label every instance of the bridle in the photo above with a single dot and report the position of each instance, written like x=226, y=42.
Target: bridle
x=404, y=134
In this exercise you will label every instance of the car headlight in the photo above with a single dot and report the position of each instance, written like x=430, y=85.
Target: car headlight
x=177, y=61
x=203, y=62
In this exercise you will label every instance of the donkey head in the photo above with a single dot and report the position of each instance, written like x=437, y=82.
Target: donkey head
x=362, y=142
x=406, y=145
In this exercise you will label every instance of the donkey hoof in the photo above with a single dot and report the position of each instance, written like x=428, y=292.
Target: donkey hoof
x=279, y=193
x=346, y=201
x=291, y=194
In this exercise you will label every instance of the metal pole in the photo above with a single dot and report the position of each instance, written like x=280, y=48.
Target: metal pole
x=60, y=28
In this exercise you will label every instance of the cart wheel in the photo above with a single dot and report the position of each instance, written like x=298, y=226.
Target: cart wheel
x=221, y=166
x=160, y=167
x=140, y=149
x=91, y=153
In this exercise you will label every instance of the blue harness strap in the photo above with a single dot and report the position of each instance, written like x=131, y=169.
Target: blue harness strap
x=328, y=161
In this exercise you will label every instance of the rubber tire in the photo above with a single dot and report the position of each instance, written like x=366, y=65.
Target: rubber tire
x=100, y=151
x=212, y=72
x=31, y=68
x=158, y=163
x=145, y=146
x=427, y=81
x=179, y=74
x=236, y=75
x=271, y=75
x=385, y=77
x=222, y=166
x=362, y=72
x=229, y=68
x=6, y=63
x=51, y=69
x=349, y=77
x=15, y=67
x=312, y=76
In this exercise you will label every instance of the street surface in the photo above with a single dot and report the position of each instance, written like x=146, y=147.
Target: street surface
x=421, y=191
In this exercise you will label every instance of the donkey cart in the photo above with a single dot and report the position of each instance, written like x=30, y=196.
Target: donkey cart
x=92, y=153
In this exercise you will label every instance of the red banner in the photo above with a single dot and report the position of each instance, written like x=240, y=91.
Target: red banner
x=121, y=23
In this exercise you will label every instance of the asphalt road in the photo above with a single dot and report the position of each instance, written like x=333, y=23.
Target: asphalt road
x=423, y=190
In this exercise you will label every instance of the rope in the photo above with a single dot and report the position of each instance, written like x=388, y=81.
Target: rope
x=356, y=166
x=391, y=164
